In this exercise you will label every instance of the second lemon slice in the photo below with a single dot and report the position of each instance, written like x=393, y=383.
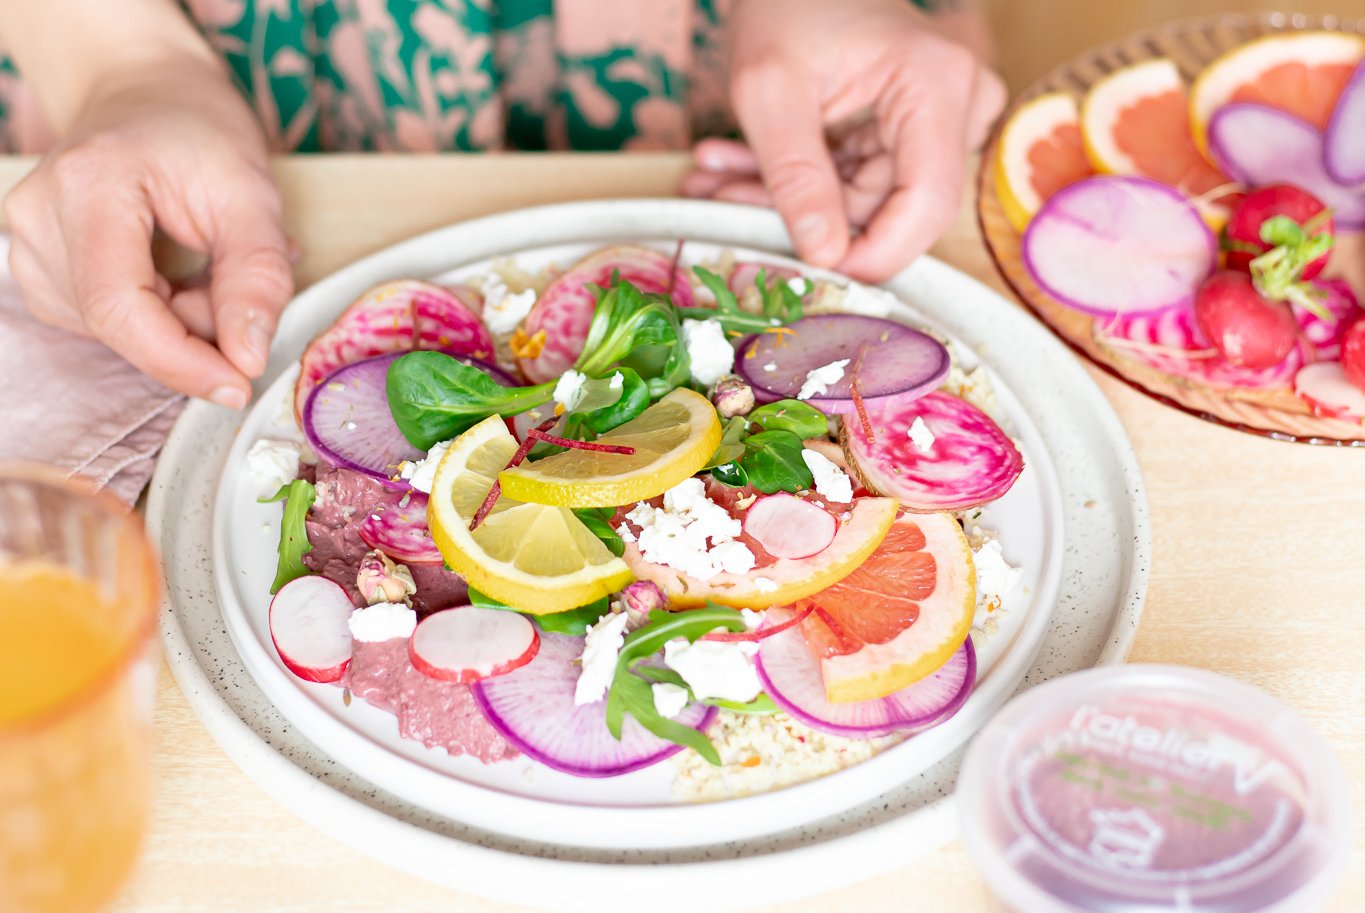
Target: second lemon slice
x=673, y=439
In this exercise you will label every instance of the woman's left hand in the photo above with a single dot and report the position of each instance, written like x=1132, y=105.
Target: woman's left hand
x=858, y=117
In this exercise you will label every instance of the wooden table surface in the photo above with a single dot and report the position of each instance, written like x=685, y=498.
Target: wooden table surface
x=1258, y=573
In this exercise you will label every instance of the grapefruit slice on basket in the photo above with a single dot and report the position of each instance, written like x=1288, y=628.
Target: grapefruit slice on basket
x=1302, y=73
x=900, y=616
x=1039, y=153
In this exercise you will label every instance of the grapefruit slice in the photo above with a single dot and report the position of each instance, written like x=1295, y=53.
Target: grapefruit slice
x=1039, y=153
x=1302, y=73
x=900, y=616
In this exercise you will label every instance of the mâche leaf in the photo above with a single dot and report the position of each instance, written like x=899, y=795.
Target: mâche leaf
x=801, y=419
x=434, y=397
x=772, y=461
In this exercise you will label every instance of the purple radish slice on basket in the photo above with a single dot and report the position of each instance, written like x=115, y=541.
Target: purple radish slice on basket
x=889, y=360
x=401, y=532
x=1343, y=153
x=396, y=317
x=1258, y=145
x=1327, y=389
x=791, y=677
x=310, y=628
x=533, y=707
x=968, y=462
x=470, y=643
x=1119, y=245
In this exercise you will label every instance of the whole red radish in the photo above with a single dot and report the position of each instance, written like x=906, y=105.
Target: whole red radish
x=1309, y=248
x=1353, y=353
x=1245, y=327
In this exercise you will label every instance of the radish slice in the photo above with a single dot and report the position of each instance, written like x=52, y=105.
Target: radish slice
x=1119, y=245
x=533, y=707
x=898, y=362
x=791, y=677
x=970, y=462
x=1258, y=145
x=788, y=527
x=1343, y=153
x=401, y=532
x=565, y=308
x=396, y=317
x=469, y=643
x=309, y=626
x=1326, y=388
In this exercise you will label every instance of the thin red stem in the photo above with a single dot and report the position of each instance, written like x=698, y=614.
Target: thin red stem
x=761, y=633
x=495, y=492
x=558, y=441
x=857, y=395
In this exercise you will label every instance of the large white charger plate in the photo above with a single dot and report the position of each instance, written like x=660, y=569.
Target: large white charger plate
x=545, y=838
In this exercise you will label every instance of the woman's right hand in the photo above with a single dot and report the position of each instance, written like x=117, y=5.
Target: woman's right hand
x=166, y=144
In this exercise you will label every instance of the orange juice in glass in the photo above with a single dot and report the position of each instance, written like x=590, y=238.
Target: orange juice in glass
x=78, y=594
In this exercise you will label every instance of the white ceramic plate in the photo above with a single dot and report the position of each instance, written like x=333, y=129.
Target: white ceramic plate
x=424, y=811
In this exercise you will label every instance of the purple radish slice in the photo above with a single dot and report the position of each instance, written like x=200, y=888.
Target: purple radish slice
x=898, y=362
x=1326, y=388
x=310, y=628
x=396, y=317
x=788, y=527
x=469, y=643
x=1325, y=335
x=971, y=461
x=401, y=532
x=1119, y=245
x=1343, y=150
x=791, y=677
x=564, y=310
x=533, y=707
x=1258, y=145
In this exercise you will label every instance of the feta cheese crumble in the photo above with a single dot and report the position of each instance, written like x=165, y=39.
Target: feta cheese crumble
x=382, y=621
x=868, y=300
x=600, y=649
x=798, y=284
x=275, y=463
x=921, y=436
x=765, y=584
x=690, y=533
x=996, y=579
x=712, y=355
x=669, y=699
x=569, y=389
x=422, y=473
x=715, y=669
x=504, y=310
x=770, y=366
x=818, y=380
x=831, y=482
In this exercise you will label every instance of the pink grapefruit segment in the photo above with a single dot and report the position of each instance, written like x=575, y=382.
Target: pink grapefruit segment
x=1039, y=153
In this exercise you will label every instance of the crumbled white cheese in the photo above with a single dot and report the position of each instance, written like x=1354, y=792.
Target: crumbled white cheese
x=569, y=389
x=770, y=366
x=617, y=381
x=868, y=300
x=669, y=699
x=751, y=618
x=831, y=482
x=382, y=621
x=996, y=579
x=504, y=310
x=818, y=380
x=600, y=649
x=798, y=284
x=275, y=463
x=690, y=533
x=711, y=353
x=921, y=436
x=422, y=473
x=765, y=584
x=715, y=669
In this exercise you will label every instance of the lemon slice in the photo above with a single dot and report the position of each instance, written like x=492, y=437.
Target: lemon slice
x=536, y=558
x=673, y=439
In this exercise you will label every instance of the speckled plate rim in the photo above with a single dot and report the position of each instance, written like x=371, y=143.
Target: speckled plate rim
x=1106, y=572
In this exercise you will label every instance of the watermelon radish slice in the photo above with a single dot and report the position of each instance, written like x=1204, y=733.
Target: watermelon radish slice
x=468, y=644
x=791, y=677
x=396, y=317
x=533, y=707
x=564, y=310
x=898, y=362
x=788, y=527
x=1119, y=245
x=970, y=462
x=1258, y=145
x=401, y=532
x=1343, y=152
x=309, y=625
x=1326, y=388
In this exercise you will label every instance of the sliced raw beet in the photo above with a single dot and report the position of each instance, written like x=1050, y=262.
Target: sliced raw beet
x=1343, y=152
x=564, y=310
x=970, y=463
x=401, y=532
x=533, y=707
x=1171, y=341
x=791, y=677
x=396, y=317
x=898, y=362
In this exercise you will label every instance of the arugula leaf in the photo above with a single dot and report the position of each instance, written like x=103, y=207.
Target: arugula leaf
x=434, y=397
x=772, y=461
x=636, y=697
x=598, y=522
x=779, y=301
x=573, y=621
x=780, y=304
x=298, y=496
x=801, y=419
x=633, y=399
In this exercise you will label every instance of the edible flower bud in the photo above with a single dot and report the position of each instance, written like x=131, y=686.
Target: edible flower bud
x=380, y=580
x=641, y=598
x=732, y=397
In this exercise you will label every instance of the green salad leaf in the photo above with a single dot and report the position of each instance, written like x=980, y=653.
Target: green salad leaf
x=573, y=621
x=434, y=397
x=632, y=399
x=780, y=305
x=598, y=522
x=772, y=461
x=298, y=496
x=801, y=419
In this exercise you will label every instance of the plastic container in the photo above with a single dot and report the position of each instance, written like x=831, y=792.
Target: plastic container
x=1138, y=789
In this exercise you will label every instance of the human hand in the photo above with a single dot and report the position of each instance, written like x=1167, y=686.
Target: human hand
x=169, y=146
x=858, y=118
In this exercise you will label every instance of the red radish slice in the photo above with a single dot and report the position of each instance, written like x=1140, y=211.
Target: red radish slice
x=1119, y=245
x=1343, y=152
x=1325, y=336
x=899, y=363
x=565, y=308
x=309, y=625
x=788, y=527
x=533, y=707
x=970, y=462
x=791, y=677
x=468, y=643
x=1326, y=388
x=401, y=532
x=1171, y=341
x=396, y=317
x=1257, y=145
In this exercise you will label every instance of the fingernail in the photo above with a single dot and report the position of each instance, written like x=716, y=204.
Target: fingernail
x=810, y=234
x=229, y=397
x=258, y=339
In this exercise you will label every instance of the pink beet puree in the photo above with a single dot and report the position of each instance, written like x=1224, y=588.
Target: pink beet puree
x=1137, y=789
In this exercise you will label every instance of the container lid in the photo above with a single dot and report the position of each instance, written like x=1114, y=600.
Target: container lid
x=1138, y=789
